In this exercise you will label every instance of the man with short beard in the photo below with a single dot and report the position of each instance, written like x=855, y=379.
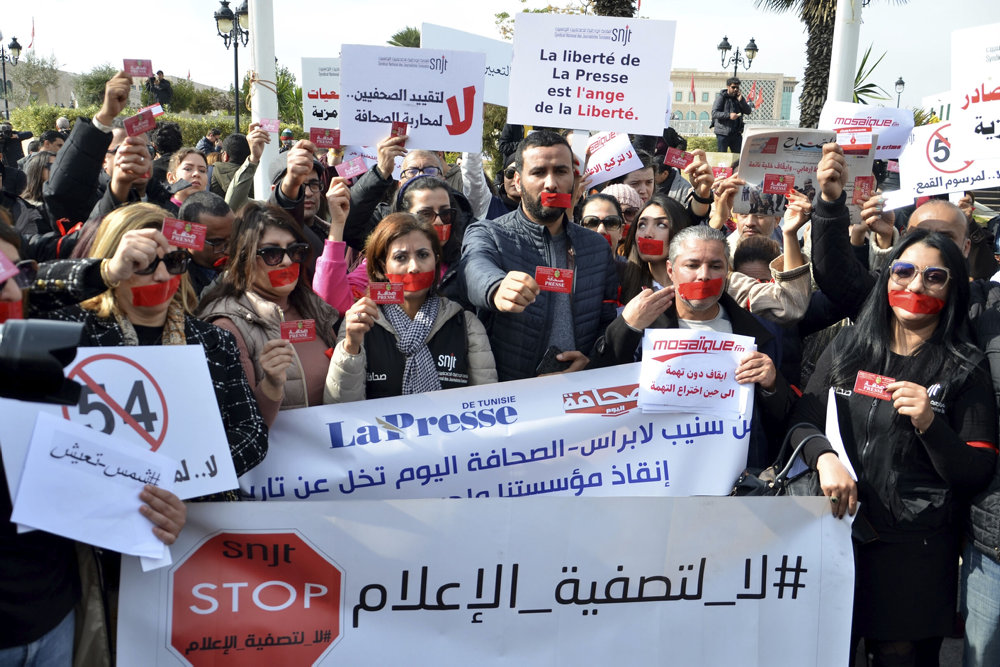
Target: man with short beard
x=500, y=258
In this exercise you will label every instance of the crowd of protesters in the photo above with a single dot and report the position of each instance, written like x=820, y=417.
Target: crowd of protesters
x=824, y=299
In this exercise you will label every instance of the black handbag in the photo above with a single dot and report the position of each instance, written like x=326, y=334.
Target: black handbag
x=775, y=480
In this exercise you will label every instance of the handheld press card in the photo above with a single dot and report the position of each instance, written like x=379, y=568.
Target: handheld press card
x=551, y=279
x=299, y=331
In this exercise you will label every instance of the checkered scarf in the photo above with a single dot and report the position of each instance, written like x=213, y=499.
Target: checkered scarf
x=420, y=374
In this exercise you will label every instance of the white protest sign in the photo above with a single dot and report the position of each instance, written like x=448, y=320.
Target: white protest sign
x=159, y=397
x=931, y=165
x=321, y=92
x=535, y=582
x=437, y=93
x=687, y=370
x=891, y=125
x=975, y=85
x=572, y=435
x=591, y=72
x=611, y=156
x=498, y=56
x=84, y=485
x=773, y=161
x=370, y=155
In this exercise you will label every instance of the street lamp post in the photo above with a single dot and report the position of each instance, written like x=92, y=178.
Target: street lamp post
x=10, y=55
x=750, y=50
x=234, y=29
x=900, y=84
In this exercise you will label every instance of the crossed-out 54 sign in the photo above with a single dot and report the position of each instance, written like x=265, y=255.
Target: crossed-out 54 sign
x=119, y=393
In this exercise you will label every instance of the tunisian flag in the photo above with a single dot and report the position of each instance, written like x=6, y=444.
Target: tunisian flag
x=692, y=87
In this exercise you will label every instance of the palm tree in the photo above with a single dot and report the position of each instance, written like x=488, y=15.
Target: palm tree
x=819, y=17
x=623, y=8
x=408, y=36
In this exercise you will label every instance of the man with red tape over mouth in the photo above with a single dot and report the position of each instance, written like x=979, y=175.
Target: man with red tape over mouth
x=698, y=267
x=504, y=260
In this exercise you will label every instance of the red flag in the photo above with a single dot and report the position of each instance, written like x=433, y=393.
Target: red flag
x=189, y=75
x=32, y=32
x=692, y=87
x=753, y=91
x=760, y=97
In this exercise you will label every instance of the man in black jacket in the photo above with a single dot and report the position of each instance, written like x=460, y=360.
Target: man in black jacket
x=727, y=117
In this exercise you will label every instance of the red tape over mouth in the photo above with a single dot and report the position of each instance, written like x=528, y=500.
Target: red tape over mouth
x=919, y=304
x=412, y=282
x=649, y=247
x=700, y=289
x=557, y=199
x=155, y=294
x=284, y=276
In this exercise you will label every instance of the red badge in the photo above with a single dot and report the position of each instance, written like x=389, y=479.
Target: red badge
x=270, y=124
x=864, y=186
x=137, y=68
x=183, y=234
x=722, y=172
x=649, y=247
x=557, y=199
x=351, y=168
x=324, y=138
x=893, y=166
x=382, y=293
x=398, y=129
x=678, y=158
x=299, y=331
x=139, y=123
x=778, y=184
x=550, y=279
x=874, y=385
x=855, y=140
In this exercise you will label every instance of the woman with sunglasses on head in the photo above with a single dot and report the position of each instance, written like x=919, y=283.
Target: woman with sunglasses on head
x=263, y=288
x=916, y=413
x=425, y=343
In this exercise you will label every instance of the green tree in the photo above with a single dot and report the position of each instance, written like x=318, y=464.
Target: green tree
x=32, y=75
x=89, y=87
x=183, y=95
x=408, y=37
x=288, y=91
x=819, y=18
x=865, y=90
x=202, y=101
x=622, y=8
x=505, y=22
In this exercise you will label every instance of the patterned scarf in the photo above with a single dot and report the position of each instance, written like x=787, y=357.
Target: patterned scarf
x=173, y=329
x=420, y=374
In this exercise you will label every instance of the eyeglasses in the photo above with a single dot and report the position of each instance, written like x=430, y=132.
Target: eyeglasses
x=428, y=215
x=272, y=254
x=509, y=173
x=609, y=222
x=411, y=172
x=176, y=263
x=630, y=214
x=933, y=277
x=314, y=186
x=218, y=245
x=27, y=271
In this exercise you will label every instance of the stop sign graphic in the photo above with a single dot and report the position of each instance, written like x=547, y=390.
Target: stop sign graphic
x=253, y=599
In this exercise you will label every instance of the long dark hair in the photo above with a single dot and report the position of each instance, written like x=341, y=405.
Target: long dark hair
x=635, y=274
x=872, y=335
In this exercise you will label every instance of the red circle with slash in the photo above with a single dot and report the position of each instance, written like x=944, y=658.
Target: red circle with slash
x=78, y=373
x=938, y=134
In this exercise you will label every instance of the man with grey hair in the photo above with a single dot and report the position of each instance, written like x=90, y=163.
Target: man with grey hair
x=698, y=267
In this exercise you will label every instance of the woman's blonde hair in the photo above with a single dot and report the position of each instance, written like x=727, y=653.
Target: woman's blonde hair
x=109, y=235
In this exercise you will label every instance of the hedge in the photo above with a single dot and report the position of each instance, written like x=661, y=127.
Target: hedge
x=39, y=118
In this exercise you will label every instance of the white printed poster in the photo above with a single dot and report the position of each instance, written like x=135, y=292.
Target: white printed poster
x=437, y=94
x=591, y=72
x=892, y=126
x=538, y=582
x=931, y=164
x=498, y=56
x=975, y=86
x=611, y=156
x=139, y=395
x=321, y=93
x=580, y=434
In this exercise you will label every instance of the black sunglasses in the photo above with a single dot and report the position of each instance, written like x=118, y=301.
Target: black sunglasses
x=509, y=173
x=176, y=263
x=272, y=254
x=593, y=222
x=428, y=215
x=27, y=271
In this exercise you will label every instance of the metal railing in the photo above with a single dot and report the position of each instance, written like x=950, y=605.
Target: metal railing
x=689, y=128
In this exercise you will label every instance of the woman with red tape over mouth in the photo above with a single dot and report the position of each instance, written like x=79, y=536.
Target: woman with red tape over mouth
x=264, y=287
x=917, y=415
x=425, y=343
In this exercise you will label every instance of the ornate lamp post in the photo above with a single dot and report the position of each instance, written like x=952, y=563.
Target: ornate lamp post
x=750, y=51
x=8, y=55
x=234, y=29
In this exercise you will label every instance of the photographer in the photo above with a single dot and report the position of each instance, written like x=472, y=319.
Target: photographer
x=10, y=147
x=160, y=88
